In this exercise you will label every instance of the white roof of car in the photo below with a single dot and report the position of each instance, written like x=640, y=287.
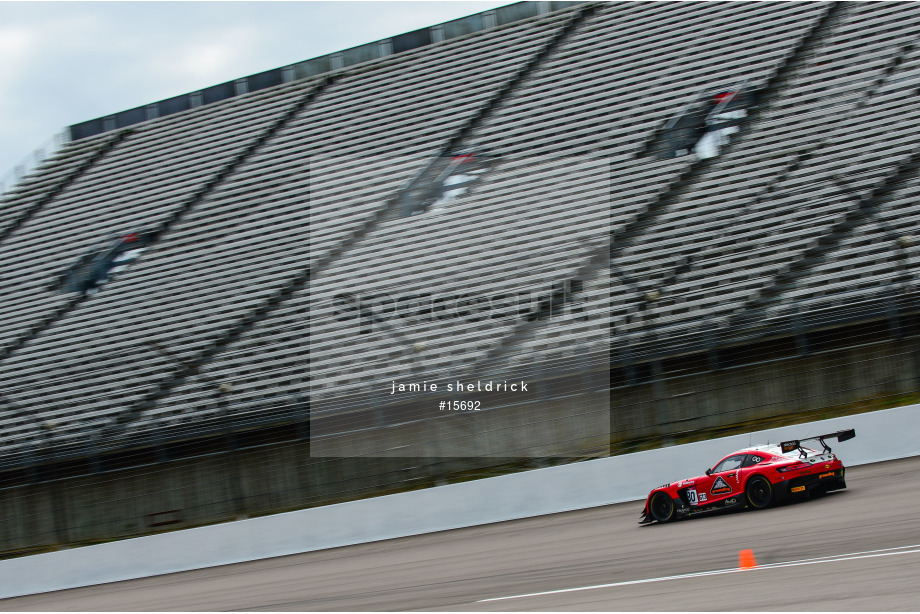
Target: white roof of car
x=767, y=449
x=773, y=449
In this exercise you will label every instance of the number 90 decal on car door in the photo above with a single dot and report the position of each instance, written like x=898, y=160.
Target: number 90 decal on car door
x=695, y=498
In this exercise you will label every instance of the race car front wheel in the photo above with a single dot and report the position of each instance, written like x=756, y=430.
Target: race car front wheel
x=662, y=507
x=759, y=492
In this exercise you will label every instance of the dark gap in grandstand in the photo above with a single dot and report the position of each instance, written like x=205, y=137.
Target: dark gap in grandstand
x=18, y=477
x=94, y=268
x=43, y=473
x=196, y=447
x=618, y=377
x=329, y=425
x=274, y=434
x=685, y=365
x=548, y=386
x=125, y=460
x=153, y=454
x=597, y=379
x=495, y=400
x=779, y=348
x=704, y=125
x=642, y=373
x=73, y=468
x=490, y=394
x=446, y=178
x=783, y=347
x=393, y=414
x=910, y=325
x=837, y=338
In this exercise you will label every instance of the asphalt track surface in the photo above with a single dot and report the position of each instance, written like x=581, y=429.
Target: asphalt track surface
x=868, y=536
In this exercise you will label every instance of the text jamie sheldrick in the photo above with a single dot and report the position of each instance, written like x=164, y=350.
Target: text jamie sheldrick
x=479, y=386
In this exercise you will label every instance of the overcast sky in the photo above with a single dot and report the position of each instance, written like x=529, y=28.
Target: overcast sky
x=66, y=62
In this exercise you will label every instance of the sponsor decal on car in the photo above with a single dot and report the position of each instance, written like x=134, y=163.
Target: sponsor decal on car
x=826, y=475
x=797, y=488
x=720, y=487
x=731, y=501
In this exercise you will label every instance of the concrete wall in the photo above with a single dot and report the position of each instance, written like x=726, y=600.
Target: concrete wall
x=192, y=492
x=534, y=426
x=882, y=435
x=738, y=395
x=276, y=478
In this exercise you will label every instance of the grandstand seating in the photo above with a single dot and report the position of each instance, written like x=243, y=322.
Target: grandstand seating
x=353, y=142
x=269, y=207
x=748, y=209
x=51, y=175
x=552, y=256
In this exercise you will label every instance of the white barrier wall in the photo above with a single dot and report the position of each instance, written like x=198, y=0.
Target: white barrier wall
x=881, y=435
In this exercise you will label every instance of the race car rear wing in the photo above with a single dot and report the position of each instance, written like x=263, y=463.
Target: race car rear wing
x=796, y=444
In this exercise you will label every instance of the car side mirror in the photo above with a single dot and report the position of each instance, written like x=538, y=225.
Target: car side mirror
x=709, y=472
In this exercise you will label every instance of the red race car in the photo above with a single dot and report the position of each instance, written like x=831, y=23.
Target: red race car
x=752, y=478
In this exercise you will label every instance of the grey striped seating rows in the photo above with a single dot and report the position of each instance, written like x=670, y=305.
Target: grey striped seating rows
x=249, y=236
x=341, y=361
x=730, y=192
x=569, y=173
x=142, y=181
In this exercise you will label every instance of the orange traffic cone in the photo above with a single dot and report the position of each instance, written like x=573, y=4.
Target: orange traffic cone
x=746, y=560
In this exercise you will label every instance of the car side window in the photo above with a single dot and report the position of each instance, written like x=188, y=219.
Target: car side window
x=732, y=462
x=752, y=459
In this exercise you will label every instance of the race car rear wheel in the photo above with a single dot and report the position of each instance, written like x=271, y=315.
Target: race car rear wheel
x=759, y=492
x=662, y=507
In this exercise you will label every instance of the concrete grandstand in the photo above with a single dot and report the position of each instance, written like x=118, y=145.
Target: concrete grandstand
x=302, y=253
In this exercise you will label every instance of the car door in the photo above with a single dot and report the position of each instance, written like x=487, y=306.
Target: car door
x=725, y=480
x=750, y=465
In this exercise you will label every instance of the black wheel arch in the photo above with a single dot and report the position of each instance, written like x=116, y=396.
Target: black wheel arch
x=661, y=507
x=757, y=498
